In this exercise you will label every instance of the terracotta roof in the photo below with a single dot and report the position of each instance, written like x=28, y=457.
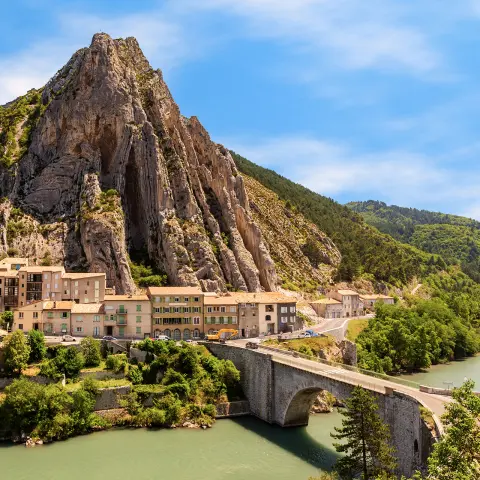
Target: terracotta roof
x=126, y=298
x=58, y=305
x=26, y=307
x=75, y=275
x=347, y=292
x=87, y=308
x=375, y=297
x=174, y=291
x=327, y=301
x=225, y=300
x=261, y=297
x=40, y=269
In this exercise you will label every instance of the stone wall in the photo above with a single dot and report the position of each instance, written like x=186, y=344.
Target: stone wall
x=233, y=409
x=6, y=381
x=107, y=398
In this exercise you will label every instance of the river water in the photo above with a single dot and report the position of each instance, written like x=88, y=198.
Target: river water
x=236, y=449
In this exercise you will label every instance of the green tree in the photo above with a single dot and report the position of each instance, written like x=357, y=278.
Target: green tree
x=90, y=349
x=17, y=352
x=68, y=362
x=36, y=342
x=457, y=455
x=6, y=319
x=366, y=439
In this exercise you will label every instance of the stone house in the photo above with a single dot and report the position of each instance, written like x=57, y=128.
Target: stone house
x=350, y=300
x=369, y=301
x=328, y=308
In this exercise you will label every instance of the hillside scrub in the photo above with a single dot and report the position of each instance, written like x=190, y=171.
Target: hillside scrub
x=409, y=338
x=364, y=249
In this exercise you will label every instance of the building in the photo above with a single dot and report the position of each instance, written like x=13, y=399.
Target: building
x=350, y=300
x=264, y=313
x=83, y=287
x=220, y=312
x=177, y=312
x=369, y=301
x=127, y=316
x=328, y=308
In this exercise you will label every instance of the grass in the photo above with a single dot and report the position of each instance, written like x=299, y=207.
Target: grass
x=315, y=344
x=355, y=327
x=32, y=370
x=100, y=368
x=114, y=382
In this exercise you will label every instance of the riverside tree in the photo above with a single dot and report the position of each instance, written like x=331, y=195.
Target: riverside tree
x=36, y=342
x=366, y=439
x=91, y=352
x=17, y=352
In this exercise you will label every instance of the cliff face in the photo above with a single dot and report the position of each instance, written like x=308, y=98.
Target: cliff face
x=106, y=122
x=103, y=155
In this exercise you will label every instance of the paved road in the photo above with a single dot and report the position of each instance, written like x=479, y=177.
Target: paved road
x=414, y=291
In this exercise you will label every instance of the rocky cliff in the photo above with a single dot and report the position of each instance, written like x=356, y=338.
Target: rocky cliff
x=100, y=164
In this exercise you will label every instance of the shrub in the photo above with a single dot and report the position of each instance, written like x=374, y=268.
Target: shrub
x=172, y=407
x=135, y=375
x=91, y=352
x=90, y=385
x=68, y=362
x=117, y=362
x=16, y=352
x=36, y=342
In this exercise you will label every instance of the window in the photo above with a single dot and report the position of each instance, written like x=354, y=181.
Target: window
x=233, y=309
x=196, y=309
x=86, y=300
x=166, y=309
x=292, y=319
x=65, y=283
x=196, y=299
x=234, y=320
x=268, y=317
x=23, y=285
x=45, y=277
x=229, y=320
x=86, y=292
x=284, y=320
x=223, y=309
x=121, y=308
x=187, y=321
x=209, y=309
x=138, y=330
x=292, y=309
x=177, y=299
x=157, y=309
x=48, y=285
x=56, y=276
x=196, y=320
x=139, y=319
x=79, y=329
x=96, y=318
x=76, y=283
x=96, y=331
x=64, y=328
x=186, y=299
x=20, y=314
x=158, y=299
x=176, y=309
x=284, y=309
x=56, y=286
x=139, y=308
x=167, y=300
x=186, y=309
x=20, y=326
x=64, y=314
x=97, y=284
x=158, y=321
x=217, y=320
x=66, y=292
x=88, y=283
x=35, y=314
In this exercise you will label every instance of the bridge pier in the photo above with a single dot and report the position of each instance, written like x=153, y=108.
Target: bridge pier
x=283, y=394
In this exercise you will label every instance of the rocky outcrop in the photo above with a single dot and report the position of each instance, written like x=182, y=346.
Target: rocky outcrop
x=108, y=123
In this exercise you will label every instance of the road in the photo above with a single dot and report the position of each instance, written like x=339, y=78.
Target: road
x=415, y=290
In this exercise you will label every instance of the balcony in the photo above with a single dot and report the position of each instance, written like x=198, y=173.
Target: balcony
x=10, y=301
x=121, y=311
x=34, y=287
x=121, y=321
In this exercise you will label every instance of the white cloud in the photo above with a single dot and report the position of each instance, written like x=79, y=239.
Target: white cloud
x=356, y=34
x=397, y=177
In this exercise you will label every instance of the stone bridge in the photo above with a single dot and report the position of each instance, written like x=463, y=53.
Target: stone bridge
x=281, y=389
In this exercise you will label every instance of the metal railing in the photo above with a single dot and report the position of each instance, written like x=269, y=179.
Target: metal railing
x=351, y=368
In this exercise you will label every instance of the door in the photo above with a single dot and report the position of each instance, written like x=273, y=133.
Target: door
x=96, y=331
x=109, y=330
x=243, y=332
x=271, y=328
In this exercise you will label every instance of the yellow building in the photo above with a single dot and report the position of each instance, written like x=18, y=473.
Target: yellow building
x=220, y=312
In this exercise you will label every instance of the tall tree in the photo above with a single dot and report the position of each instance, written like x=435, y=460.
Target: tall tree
x=17, y=352
x=36, y=342
x=457, y=455
x=91, y=351
x=366, y=439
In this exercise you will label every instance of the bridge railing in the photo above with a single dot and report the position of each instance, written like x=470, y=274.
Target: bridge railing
x=351, y=368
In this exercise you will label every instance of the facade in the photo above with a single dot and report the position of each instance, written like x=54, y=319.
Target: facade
x=220, y=312
x=369, y=301
x=177, y=312
x=350, y=300
x=328, y=308
x=127, y=316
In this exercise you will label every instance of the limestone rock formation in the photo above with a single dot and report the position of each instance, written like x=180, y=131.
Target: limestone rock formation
x=103, y=149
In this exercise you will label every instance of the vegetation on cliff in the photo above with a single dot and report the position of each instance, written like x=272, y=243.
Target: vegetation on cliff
x=363, y=248
x=456, y=239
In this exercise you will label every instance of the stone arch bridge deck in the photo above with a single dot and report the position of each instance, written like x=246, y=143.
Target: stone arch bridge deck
x=281, y=389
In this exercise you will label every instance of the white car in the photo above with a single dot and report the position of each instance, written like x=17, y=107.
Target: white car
x=68, y=338
x=162, y=337
x=304, y=335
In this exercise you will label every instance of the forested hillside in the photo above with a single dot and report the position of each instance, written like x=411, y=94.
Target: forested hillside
x=455, y=238
x=364, y=249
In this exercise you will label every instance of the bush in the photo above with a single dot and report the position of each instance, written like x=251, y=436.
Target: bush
x=91, y=352
x=135, y=375
x=68, y=362
x=90, y=385
x=117, y=362
x=36, y=342
x=16, y=352
x=172, y=407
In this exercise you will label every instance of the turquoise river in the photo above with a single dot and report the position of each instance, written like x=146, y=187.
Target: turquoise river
x=241, y=449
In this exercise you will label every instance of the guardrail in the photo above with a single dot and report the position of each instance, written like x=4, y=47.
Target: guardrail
x=382, y=376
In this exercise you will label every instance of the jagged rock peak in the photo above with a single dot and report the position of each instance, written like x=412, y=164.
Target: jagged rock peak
x=110, y=154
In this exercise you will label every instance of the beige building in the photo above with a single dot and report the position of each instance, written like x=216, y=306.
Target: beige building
x=350, y=300
x=83, y=287
x=328, y=308
x=177, y=312
x=127, y=316
x=369, y=301
x=220, y=312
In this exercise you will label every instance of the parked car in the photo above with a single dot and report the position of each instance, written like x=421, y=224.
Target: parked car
x=312, y=333
x=68, y=338
x=162, y=338
x=304, y=335
x=108, y=338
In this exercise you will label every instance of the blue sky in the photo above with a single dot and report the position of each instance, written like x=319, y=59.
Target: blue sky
x=354, y=99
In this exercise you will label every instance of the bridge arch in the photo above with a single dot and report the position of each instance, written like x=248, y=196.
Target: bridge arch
x=298, y=410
